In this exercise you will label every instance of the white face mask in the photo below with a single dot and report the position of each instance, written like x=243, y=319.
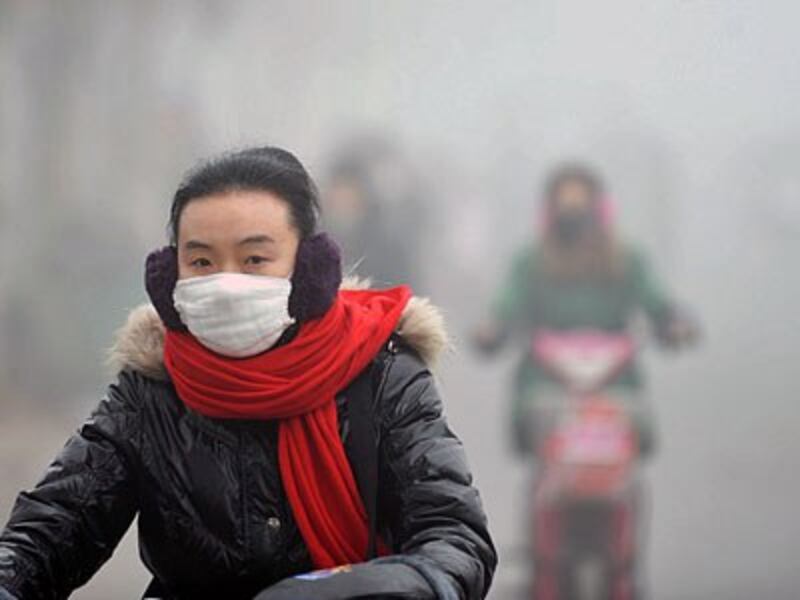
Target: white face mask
x=235, y=314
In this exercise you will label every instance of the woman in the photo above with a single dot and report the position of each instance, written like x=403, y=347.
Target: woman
x=577, y=276
x=231, y=428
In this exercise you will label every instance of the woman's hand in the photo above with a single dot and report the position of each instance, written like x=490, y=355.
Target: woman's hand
x=678, y=332
x=489, y=337
x=373, y=580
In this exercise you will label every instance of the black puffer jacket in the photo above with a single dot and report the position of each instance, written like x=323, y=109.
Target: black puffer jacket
x=213, y=517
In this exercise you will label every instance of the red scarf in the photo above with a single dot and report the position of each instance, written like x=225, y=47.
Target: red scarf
x=297, y=383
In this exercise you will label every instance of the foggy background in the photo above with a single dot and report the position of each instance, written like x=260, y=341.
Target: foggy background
x=690, y=108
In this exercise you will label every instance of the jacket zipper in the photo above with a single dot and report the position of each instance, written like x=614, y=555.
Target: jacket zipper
x=391, y=348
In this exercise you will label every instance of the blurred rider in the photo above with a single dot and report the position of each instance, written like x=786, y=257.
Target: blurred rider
x=577, y=275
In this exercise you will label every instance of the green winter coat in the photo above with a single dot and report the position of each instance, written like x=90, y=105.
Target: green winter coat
x=530, y=300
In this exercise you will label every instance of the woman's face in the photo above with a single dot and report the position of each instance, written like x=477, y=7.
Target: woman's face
x=237, y=232
x=572, y=197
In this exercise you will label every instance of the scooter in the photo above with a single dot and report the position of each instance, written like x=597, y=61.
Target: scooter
x=587, y=491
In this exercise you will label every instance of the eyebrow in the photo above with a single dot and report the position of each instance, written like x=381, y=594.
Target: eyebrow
x=196, y=245
x=252, y=239
x=256, y=239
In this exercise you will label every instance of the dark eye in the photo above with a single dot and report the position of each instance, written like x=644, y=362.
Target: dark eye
x=256, y=260
x=200, y=262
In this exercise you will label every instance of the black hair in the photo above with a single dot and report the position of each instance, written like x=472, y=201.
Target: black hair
x=264, y=168
x=574, y=172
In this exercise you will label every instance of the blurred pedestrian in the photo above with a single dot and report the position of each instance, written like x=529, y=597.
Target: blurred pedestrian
x=373, y=206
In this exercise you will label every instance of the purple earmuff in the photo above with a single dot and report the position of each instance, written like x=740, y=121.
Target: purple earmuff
x=160, y=276
x=316, y=278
